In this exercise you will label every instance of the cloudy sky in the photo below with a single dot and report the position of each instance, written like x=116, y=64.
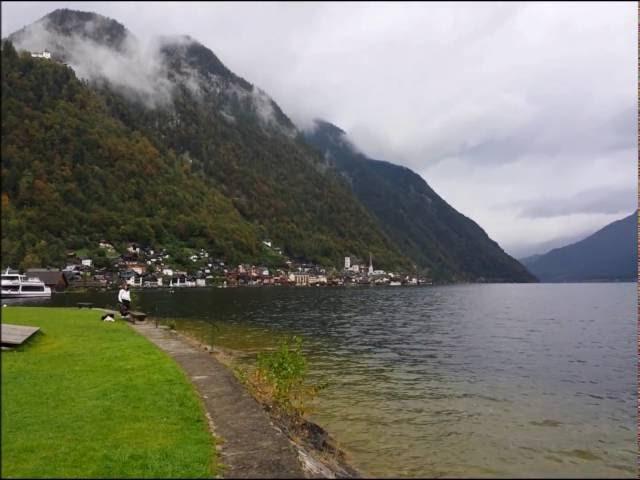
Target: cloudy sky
x=522, y=116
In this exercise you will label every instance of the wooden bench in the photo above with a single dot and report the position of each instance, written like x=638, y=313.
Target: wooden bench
x=137, y=316
x=84, y=305
x=16, y=334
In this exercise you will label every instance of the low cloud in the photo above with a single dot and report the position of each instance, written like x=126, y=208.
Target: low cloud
x=134, y=67
x=137, y=69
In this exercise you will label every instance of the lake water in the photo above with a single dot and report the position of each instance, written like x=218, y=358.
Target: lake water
x=471, y=380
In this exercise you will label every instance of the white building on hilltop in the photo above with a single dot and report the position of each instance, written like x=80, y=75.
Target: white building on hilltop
x=44, y=54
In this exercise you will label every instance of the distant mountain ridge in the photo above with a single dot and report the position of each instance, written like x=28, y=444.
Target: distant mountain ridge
x=429, y=230
x=609, y=254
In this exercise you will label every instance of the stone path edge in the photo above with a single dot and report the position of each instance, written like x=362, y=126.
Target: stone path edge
x=252, y=446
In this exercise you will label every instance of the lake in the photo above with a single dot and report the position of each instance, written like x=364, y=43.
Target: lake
x=467, y=380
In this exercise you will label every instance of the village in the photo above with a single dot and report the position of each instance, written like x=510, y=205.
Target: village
x=143, y=267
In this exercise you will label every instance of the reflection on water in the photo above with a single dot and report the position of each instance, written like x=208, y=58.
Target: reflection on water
x=473, y=380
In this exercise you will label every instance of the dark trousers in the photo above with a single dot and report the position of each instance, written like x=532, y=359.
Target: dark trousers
x=125, y=305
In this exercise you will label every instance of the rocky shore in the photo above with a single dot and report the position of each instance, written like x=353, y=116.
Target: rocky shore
x=318, y=452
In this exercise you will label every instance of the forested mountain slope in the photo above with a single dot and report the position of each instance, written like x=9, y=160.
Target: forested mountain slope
x=191, y=109
x=422, y=224
x=73, y=175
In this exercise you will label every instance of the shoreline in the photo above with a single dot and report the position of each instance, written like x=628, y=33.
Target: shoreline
x=317, y=450
x=136, y=288
x=249, y=445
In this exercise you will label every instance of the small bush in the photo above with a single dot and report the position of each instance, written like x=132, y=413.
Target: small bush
x=284, y=369
x=279, y=380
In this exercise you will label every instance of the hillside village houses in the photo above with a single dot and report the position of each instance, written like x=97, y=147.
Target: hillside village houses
x=143, y=267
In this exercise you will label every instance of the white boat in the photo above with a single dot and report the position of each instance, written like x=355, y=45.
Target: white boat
x=394, y=284
x=15, y=285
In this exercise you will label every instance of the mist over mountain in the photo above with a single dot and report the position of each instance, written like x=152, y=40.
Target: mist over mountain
x=523, y=251
x=609, y=254
x=313, y=196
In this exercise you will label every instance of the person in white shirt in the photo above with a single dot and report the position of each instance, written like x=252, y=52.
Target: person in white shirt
x=124, y=299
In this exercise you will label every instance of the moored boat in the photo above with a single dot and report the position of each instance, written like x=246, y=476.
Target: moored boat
x=15, y=285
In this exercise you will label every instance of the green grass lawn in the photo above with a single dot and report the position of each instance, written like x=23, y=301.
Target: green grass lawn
x=85, y=398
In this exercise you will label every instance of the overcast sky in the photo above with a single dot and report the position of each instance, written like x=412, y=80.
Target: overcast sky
x=521, y=116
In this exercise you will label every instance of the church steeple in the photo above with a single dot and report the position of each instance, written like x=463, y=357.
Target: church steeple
x=370, y=265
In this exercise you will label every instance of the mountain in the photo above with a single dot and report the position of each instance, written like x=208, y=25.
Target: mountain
x=609, y=254
x=93, y=139
x=109, y=122
x=73, y=175
x=55, y=30
x=432, y=233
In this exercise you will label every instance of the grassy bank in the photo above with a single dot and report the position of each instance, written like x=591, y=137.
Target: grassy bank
x=86, y=398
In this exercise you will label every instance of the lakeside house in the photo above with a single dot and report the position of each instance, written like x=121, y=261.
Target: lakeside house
x=181, y=280
x=151, y=280
x=135, y=281
x=54, y=279
x=300, y=278
x=139, y=268
x=126, y=275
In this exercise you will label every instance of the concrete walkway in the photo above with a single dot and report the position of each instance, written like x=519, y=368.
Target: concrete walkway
x=251, y=446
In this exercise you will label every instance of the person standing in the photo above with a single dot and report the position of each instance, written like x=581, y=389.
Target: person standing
x=124, y=299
